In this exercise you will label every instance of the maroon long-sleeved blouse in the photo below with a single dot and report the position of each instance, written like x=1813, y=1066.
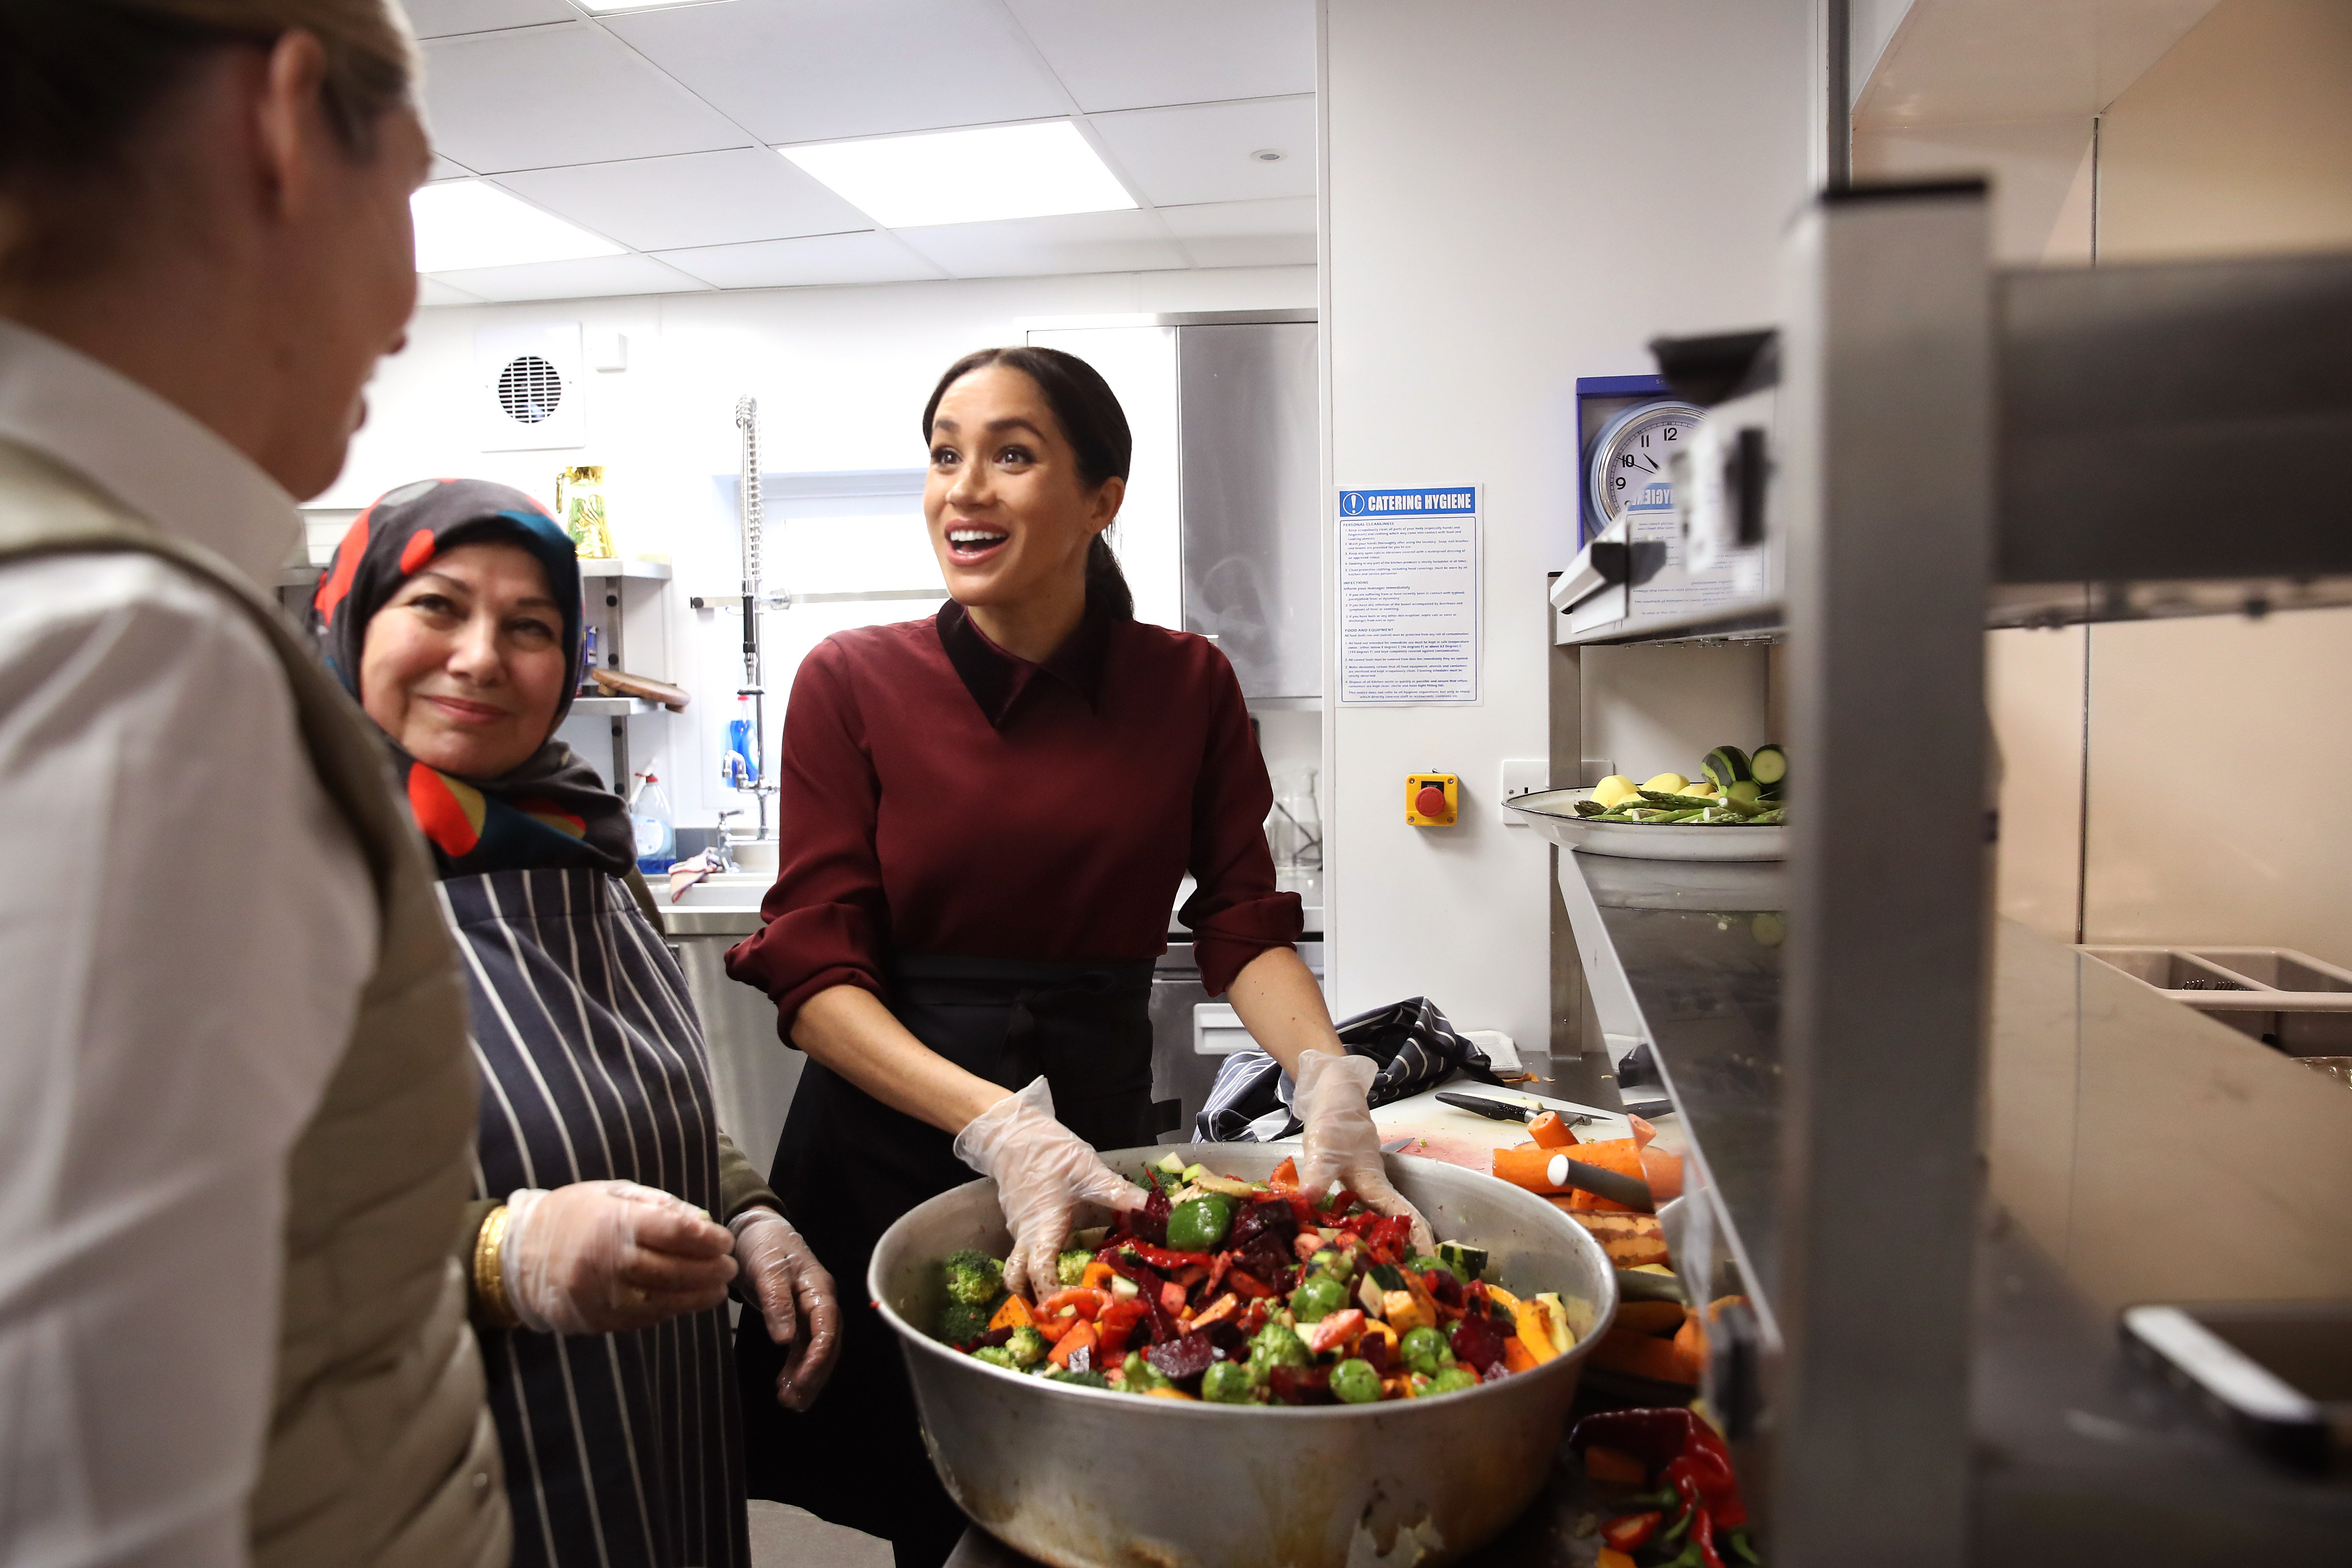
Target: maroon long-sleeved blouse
x=939, y=796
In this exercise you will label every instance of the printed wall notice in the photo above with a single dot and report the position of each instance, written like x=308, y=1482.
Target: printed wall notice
x=1409, y=596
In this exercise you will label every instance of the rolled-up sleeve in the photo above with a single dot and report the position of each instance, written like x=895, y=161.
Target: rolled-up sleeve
x=1234, y=912
x=826, y=920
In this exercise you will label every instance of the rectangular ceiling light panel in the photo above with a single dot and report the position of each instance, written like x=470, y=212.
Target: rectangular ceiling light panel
x=463, y=224
x=1037, y=169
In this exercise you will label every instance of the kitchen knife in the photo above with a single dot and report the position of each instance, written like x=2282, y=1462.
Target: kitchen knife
x=1503, y=1110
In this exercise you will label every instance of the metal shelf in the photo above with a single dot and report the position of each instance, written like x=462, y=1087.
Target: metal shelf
x=649, y=571
x=610, y=706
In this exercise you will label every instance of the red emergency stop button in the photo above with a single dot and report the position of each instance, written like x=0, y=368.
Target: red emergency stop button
x=1430, y=801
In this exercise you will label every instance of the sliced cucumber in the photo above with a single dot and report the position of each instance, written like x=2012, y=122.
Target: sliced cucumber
x=1726, y=765
x=1770, y=765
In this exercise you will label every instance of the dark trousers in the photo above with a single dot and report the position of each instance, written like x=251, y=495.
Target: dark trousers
x=847, y=1166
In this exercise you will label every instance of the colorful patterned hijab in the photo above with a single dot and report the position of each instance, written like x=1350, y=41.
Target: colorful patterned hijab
x=553, y=811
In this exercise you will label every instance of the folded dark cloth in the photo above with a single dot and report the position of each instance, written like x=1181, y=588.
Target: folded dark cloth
x=1416, y=1048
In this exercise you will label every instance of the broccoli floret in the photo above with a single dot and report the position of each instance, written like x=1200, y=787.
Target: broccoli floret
x=1027, y=1347
x=1277, y=1346
x=996, y=1355
x=964, y=1321
x=1082, y=1379
x=1071, y=1267
x=973, y=1276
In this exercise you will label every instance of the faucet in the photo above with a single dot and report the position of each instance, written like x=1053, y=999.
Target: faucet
x=724, y=846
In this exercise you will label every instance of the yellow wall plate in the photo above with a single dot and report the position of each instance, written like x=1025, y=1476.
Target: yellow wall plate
x=1420, y=792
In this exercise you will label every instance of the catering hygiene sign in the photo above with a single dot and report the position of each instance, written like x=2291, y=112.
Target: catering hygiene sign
x=1409, y=596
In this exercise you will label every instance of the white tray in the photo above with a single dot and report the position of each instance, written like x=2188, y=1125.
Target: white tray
x=1551, y=813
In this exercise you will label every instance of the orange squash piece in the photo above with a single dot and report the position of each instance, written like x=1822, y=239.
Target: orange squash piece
x=1517, y=1357
x=1081, y=1337
x=1690, y=1347
x=1013, y=1314
x=1621, y=1349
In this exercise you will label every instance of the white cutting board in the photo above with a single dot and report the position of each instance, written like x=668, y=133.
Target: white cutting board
x=1464, y=1138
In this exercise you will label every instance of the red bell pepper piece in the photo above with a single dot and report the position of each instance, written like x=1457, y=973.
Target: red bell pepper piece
x=1703, y=1537
x=1388, y=1238
x=1247, y=1286
x=1628, y=1533
x=1115, y=1328
x=1333, y=1331
x=1168, y=1258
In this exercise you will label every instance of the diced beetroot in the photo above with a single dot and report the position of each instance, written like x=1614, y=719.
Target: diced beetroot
x=1479, y=1342
x=1301, y=1384
x=1183, y=1360
x=992, y=1338
x=1375, y=1350
x=1268, y=1217
x=1445, y=1287
x=1151, y=1221
x=1269, y=1258
x=1228, y=1335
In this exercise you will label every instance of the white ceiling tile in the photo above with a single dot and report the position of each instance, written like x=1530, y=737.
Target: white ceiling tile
x=867, y=257
x=1278, y=233
x=814, y=70
x=1034, y=247
x=697, y=198
x=593, y=278
x=1134, y=54
x=440, y=18
x=1201, y=152
x=442, y=169
x=433, y=291
x=543, y=96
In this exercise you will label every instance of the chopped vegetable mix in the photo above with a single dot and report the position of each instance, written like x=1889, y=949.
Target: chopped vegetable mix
x=1236, y=1292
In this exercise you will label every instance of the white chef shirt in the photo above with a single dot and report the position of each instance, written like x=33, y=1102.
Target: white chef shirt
x=185, y=922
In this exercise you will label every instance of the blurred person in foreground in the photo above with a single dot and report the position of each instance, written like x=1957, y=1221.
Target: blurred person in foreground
x=609, y=1214
x=235, y=1101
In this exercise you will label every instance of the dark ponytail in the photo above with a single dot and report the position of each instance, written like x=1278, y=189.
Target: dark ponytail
x=1094, y=424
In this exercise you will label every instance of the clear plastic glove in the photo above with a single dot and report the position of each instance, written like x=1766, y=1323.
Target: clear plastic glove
x=596, y=1257
x=1043, y=1173
x=1342, y=1141
x=794, y=1293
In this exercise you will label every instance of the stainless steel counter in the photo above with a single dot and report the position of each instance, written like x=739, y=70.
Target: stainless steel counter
x=2135, y=1150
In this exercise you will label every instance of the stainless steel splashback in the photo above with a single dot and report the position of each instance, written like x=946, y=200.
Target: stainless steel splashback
x=1251, y=552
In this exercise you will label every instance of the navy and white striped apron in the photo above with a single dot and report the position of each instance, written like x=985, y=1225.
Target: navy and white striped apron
x=621, y=1449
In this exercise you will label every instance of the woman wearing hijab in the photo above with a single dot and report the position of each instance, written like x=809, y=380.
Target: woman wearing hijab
x=985, y=818
x=452, y=613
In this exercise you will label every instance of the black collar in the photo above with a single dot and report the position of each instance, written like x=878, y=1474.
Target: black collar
x=997, y=679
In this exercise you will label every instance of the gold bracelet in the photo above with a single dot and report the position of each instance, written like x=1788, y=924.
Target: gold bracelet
x=490, y=1275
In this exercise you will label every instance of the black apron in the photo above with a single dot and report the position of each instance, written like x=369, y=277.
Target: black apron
x=847, y=1166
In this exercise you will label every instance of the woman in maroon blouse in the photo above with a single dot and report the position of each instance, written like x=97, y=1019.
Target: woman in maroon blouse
x=985, y=818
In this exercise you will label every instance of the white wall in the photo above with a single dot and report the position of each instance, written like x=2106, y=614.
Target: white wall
x=1518, y=193
x=841, y=374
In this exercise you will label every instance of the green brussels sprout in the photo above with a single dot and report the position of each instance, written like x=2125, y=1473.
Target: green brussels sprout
x=1424, y=1350
x=1228, y=1382
x=1453, y=1380
x=1318, y=1297
x=1353, y=1382
x=1141, y=1376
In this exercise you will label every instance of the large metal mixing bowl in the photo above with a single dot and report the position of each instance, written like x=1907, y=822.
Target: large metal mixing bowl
x=1084, y=1479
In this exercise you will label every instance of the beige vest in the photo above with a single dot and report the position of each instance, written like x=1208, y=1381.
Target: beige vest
x=381, y=1452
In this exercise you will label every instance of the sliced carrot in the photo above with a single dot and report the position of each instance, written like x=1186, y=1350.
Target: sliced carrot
x=1610, y=1557
x=1013, y=1314
x=1664, y=1172
x=1531, y=1168
x=1224, y=1306
x=1603, y=1464
x=1621, y=1349
x=1622, y=1155
x=1642, y=1131
x=1551, y=1130
x=1082, y=1337
x=1527, y=1167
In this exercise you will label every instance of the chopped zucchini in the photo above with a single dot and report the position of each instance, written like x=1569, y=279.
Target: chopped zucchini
x=1726, y=765
x=1386, y=1277
x=1770, y=765
x=1464, y=1259
x=1173, y=1163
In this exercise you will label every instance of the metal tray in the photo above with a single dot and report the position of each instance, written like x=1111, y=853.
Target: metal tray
x=1550, y=813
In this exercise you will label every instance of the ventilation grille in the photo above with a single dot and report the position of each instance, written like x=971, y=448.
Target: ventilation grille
x=530, y=389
